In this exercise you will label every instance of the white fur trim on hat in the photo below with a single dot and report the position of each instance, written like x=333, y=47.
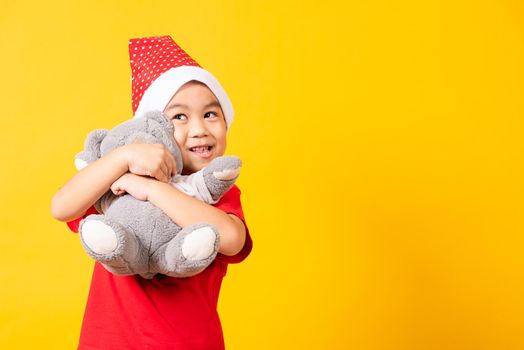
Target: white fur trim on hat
x=160, y=92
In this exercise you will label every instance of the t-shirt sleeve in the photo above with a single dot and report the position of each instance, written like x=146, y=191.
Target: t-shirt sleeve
x=230, y=203
x=75, y=224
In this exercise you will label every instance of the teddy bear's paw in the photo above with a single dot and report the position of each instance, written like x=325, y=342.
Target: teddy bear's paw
x=199, y=244
x=80, y=164
x=226, y=174
x=99, y=237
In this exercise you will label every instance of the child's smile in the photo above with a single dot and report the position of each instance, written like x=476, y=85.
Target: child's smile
x=200, y=127
x=202, y=151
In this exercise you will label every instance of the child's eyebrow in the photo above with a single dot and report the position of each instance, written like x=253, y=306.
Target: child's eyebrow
x=212, y=104
x=179, y=105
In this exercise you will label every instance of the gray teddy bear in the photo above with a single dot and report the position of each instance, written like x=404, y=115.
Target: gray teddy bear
x=135, y=237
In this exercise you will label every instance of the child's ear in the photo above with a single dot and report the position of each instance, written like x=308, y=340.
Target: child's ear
x=91, y=150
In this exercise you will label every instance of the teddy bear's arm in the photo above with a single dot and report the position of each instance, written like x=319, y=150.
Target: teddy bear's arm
x=211, y=183
x=220, y=175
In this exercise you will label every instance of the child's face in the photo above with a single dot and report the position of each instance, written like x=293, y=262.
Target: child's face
x=200, y=126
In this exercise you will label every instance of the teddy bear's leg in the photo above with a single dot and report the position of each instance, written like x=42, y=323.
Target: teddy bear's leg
x=189, y=252
x=111, y=244
x=220, y=175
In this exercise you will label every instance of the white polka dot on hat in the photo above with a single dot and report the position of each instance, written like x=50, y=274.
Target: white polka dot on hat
x=159, y=67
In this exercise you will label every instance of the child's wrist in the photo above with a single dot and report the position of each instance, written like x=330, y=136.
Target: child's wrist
x=121, y=156
x=154, y=187
x=157, y=189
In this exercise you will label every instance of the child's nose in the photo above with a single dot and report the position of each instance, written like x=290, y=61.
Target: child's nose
x=197, y=129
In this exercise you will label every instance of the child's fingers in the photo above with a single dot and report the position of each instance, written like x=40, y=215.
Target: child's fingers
x=172, y=165
x=161, y=173
x=166, y=167
x=165, y=172
x=169, y=165
x=116, y=190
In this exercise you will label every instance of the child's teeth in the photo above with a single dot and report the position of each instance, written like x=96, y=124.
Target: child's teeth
x=200, y=149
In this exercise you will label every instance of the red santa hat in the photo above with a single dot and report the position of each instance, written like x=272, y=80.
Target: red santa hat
x=159, y=67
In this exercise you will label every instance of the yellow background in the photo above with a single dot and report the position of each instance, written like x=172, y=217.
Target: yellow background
x=382, y=179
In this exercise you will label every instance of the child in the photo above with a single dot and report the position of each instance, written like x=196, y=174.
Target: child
x=129, y=312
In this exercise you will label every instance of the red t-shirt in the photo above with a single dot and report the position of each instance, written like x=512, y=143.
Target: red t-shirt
x=130, y=312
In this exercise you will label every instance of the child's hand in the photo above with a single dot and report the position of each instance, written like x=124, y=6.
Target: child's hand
x=150, y=160
x=136, y=185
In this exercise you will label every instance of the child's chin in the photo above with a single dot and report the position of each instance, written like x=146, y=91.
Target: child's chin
x=196, y=166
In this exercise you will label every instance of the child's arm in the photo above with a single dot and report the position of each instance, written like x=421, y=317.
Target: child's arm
x=88, y=185
x=185, y=210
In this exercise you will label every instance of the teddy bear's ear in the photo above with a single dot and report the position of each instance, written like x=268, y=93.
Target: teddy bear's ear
x=91, y=150
x=161, y=118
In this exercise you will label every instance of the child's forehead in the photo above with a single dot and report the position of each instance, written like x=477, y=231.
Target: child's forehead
x=193, y=93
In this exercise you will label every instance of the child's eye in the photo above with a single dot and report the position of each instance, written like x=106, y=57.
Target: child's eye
x=210, y=115
x=180, y=117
